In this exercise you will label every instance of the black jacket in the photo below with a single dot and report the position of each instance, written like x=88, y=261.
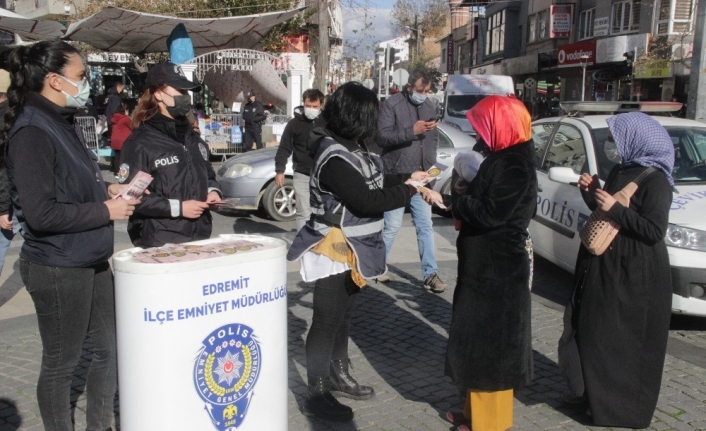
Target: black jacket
x=61, y=209
x=5, y=200
x=112, y=102
x=253, y=114
x=295, y=139
x=181, y=170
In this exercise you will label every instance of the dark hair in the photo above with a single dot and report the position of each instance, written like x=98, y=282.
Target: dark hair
x=418, y=74
x=121, y=108
x=352, y=111
x=28, y=67
x=313, y=94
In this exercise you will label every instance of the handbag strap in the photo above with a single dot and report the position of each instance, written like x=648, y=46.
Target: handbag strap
x=642, y=176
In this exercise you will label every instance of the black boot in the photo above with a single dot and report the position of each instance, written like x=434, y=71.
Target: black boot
x=344, y=385
x=320, y=403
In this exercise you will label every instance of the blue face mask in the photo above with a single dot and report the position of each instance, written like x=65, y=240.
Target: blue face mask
x=611, y=151
x=417, y=98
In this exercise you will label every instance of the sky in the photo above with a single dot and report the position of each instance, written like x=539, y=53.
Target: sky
x=381, y=28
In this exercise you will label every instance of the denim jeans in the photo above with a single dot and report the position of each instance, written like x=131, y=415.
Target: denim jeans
x=70, y=303
x=328, y=336
x=421, y=217
x=301, y=194
x=6, y=239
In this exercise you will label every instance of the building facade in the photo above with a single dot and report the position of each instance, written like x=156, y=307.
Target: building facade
x=595, y=49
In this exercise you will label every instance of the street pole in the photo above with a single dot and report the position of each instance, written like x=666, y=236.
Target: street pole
x=387, y=71
x=584, y=63
x=696, y=102
x=322, y=57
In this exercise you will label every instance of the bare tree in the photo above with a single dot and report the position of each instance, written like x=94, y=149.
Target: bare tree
x=425, y=18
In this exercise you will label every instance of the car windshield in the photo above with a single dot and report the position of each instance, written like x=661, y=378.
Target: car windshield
x=689, y=148
x=459, y=105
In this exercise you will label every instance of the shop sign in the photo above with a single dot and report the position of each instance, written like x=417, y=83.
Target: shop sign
x=570, y=55
x=606, y=75
x=520, y=65
x=110, y=57
x=653, y=69
x=560, y=20
x=450, y=55
x=601, y=26
x=611, y=49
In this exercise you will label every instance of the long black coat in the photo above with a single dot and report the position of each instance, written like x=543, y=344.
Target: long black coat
x=490, y=340
x=622, y=320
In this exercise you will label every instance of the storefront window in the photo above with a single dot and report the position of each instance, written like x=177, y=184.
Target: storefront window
x=674, y=16
x=625, y=16
x=586, y=24
x=495, y=40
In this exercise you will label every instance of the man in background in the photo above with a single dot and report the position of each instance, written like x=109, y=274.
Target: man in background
x=294, y=142
x=408, y=137
x=253, y=117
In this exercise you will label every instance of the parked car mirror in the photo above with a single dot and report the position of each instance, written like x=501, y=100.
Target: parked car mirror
x=564, y=175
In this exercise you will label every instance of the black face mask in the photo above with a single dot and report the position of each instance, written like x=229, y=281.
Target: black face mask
x=182, y=105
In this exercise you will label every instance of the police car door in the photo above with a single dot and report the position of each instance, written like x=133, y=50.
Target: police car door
x=541, y=234
x=561, y=208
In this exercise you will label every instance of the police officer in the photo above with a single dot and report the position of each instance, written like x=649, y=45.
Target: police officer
x=253, y=117
x=165, y=146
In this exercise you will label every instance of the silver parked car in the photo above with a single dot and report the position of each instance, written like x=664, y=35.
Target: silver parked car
x=248, y=180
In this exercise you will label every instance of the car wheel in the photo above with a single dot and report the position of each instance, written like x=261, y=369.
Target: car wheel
x=279, y=202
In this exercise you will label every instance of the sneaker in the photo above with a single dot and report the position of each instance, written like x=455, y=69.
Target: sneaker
x=434, y=283
x=383, y=279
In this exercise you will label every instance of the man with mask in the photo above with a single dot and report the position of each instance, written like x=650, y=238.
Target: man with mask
x=253, y=117
x=294, y=142
x=408, y=137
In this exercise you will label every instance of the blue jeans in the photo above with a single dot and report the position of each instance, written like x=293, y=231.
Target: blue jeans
x=70, y=303
x=6, y=239
x=421, y=217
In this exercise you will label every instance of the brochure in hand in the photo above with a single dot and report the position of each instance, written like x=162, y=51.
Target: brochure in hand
x=137, y=187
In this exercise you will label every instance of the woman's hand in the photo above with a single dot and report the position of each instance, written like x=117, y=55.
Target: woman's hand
x=431, y=196
x=193, y=209
x=420, y=176
x=120, y=209
x=5, y=222
x=604, y=200
x=116, y=189
x=588, y=183
x=213, y=197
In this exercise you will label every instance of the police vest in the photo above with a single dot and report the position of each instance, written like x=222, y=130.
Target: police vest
x=328, y=210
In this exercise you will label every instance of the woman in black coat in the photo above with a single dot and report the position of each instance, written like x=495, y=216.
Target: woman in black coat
x=622, y=301
x=490, y=351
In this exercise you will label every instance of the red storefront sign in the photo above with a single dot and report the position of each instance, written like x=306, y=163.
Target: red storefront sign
x=570, y=55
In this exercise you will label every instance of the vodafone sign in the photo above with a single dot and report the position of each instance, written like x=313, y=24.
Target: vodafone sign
x=570, y=55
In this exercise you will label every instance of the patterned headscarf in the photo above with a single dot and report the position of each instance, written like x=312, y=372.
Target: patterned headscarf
x=641, y=140
x=501, y=121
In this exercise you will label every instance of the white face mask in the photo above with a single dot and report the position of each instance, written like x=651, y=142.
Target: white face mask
x=79, y=100
x=311, y=113
x=611, y=151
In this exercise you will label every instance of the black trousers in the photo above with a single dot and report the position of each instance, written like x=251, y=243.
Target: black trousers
x=328, y=336
x=116, y=162
x=252, y=134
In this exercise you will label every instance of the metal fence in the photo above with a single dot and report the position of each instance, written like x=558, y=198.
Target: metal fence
x=223, y=134
x=92, y=137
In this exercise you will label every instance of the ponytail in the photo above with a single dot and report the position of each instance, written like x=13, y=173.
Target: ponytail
x=28, y=67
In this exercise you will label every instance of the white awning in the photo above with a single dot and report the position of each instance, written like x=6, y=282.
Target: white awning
x=121, y=30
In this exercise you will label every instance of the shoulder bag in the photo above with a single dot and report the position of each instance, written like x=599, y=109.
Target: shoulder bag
x=600, y=231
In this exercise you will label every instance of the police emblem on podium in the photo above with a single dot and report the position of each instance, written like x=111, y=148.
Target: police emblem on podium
x=225, y=373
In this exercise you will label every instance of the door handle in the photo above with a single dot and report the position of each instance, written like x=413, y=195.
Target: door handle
x=540, y=188
x=444, y=155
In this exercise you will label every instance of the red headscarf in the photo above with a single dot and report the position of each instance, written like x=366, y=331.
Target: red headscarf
x=501, y=122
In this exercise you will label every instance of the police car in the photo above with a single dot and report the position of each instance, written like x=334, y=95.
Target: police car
x=567, y=146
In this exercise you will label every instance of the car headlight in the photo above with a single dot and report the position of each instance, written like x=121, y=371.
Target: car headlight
x=683, y=237
x=237, y=170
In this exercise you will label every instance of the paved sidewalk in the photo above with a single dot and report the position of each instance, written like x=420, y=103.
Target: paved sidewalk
x=398, y=339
